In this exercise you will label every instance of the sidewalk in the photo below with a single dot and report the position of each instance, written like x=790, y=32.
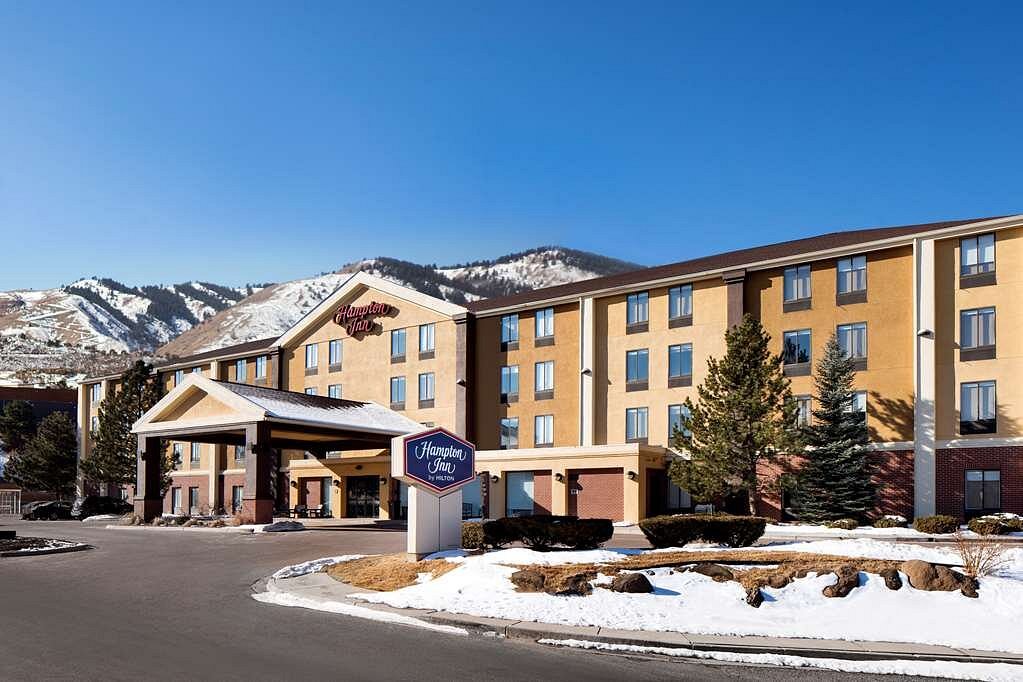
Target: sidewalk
x=320, y=587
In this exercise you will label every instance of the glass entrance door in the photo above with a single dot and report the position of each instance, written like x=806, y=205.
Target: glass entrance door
x=362, y=497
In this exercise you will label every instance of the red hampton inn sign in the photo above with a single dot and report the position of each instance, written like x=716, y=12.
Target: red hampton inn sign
x=361, y=319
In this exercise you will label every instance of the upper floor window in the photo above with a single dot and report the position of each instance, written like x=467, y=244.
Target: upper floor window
x=197, y=370
x=509, y=382
x=677, y=414
x=858, y=403
x=543, y=429
x=397, y=391
x=637, y=368
x=797, y=283
x=427, y=385
x=977, y=255
x=636, y=424
x=680, y=362
x=239, y=453
x=977, y=331
x=310, y=390
x=334, y=391
x=977, y=407
x=397, y=344
x=334, y=350
x=509, y=433
x=796, y=348
x=96, y=392
x=195, y=455
x=637, y=311
x=261, y=367
x=680, y=303
x=176, y=451
x=544, y=379
x=312, y=356
x=510, y=329
x=94, y=424
x=852, y=339
x=852, y=275
x=427, y=338
x=803, y=409
x=179, y=376
x=545, y=323
x=240, y=371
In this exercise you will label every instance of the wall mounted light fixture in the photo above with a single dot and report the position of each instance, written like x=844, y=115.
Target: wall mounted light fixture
x=294, y=484
x=383, y=480
x=358, y=467
x=337, y=482
x=559, y=477
x=632, y=475
x=495, y=479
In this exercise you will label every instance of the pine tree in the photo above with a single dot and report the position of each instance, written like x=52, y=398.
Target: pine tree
x=744, y=417
x=836, y=480
x=48, y=461
x=17, y=426
x=114, y=454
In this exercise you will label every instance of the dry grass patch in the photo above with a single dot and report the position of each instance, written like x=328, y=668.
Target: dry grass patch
x=387, y=572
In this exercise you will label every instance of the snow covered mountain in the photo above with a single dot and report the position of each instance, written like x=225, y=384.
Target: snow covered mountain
x=274, y=309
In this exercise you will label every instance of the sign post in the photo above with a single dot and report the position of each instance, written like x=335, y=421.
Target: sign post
x=436, y=464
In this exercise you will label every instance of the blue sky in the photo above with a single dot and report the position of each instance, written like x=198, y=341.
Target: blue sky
x=245, y=142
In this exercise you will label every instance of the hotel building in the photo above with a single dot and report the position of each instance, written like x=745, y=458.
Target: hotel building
x=571, y=392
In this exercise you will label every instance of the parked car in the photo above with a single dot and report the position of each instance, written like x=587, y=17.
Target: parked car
x=52, y=510
x=94, y=505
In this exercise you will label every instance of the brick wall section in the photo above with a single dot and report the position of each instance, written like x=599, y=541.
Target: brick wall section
x=542, y=492
x=186, y=482
x=950, y=474
x=600, y=494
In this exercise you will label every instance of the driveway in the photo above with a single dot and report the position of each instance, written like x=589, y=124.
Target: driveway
x=176, y=605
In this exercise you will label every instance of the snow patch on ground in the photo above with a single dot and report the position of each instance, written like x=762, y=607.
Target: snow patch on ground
x=989, y=672
x=313, y=566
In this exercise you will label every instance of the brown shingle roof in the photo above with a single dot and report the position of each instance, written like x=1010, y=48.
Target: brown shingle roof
x=237, y=349
x=722, y=261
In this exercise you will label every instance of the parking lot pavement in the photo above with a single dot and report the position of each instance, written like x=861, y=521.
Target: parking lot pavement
x=176, y=605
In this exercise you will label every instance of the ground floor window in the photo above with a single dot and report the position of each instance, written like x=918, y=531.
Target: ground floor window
x=236, y=499
x=519, y=493
x=472, y=499
x=677, y=497
x=983, y=490
x=175, y=500
x=193, y=500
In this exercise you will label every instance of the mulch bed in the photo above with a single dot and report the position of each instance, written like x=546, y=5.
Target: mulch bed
x=30, y=546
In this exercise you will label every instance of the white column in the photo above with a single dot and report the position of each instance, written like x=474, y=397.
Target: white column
x=587, y=360
x=215, y=453
x=83, y=435
x=925, y=378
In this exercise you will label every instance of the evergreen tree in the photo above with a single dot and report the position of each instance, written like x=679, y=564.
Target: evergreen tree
x=836, y=480
x=744, y=417
x=114, y=453
x=17, y=426
x=49, y=461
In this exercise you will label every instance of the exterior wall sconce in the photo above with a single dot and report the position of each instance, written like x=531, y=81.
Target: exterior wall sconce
x=495, y=478
x=460, y=382
x=294, y=484
x=559, y=477
x=632, y=475
x=383, y=480
x=586, y=372
x=336, y=482
x=358, y=467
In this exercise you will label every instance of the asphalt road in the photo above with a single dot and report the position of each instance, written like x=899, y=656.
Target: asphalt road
x=175, y=605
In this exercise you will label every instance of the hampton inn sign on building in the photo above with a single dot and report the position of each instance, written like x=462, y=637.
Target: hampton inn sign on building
x=571, y=392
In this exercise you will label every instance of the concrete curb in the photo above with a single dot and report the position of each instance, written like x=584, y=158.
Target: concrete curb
x=225, y=529
x=744, y=644
x=43, y=552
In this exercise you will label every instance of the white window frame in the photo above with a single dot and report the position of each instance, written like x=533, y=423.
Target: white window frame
x=510, y=328
x=681, y=411
x=335, y=353
x=195, y=453
x=852, y=274
x=398, y=338
x=543, y=376
x=508, y=434
x=972, y=327
x=847, y=340
x=796, y=283
x=96, y=392
x=983, y=403
x=637, y=308
x=640, y=359
x=334, y=391
x=400, y=383
x=543, y=429
x=427, y=337
x=544, y=323
x=310, y=390
x=312, y=355
x=241, y=371
x=974, y=252
x=680, y=301
x=511, y=374
x=427, y=386
x=179, y=377
x=683, y=350
x=261, y=367
x=637, y=423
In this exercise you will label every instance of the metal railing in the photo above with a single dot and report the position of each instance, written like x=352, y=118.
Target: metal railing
x=10, y=502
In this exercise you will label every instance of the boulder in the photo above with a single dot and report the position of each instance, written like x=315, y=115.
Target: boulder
x=528, y=580
x=631, y=582
x=931, y=578
x=778, y=580
x=716, y=572
x=573, y=585
x=754, y=597
x=848, y=578
x=892, y=579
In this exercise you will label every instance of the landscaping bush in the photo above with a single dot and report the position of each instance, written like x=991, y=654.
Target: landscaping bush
x=890, y=521
x=937, y=524
x=843, y=524
x=995, y=524
x=545, y=532
x=472, y=535
x=677, y=531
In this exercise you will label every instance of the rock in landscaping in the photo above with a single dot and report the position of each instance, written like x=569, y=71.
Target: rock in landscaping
x=283, y=527
x=848, y=578
x=528, y=580
x=631, y=582
x=892, y=579
x=929, y=577
x=778, y=580
x=574, y=585
x=716, y=572
x=754, y=597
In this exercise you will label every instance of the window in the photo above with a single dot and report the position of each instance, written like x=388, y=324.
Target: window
x=510, y=329
x=796, y=349
x=852, y=275
x=197, y=370
x=96, y=392
x=680, y=303
x=519, y=493
x=334, y=391
x=509, y=433
x=804, y=409
x=977, y=333
x=193, y=500
x=194, y=458
x=858, y=403
x=239, y=453
x=397, y=345
x=334, y=354
x=977, y=408
x=545, y=323
x=543, y=429
x=426, y=389
x=312, y=356
x=983, y=490
x=261, y=367
x=544, y=382
x=637, y=368
x=177, y=450
x=94, y=424
x=236, y=499
x=241, y=372
x=398, y=391
x=852, y=339
x=509, y=382
x=676, y=416
x=175, y=500
x=637, y=312
x=680, y=365
x=179, y=376
x=310, y=390
x=427, y=338
x=977, y=255
x=797, y=284
x=636, y=420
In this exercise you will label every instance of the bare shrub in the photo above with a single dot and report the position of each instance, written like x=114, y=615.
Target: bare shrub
x=980, y=558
